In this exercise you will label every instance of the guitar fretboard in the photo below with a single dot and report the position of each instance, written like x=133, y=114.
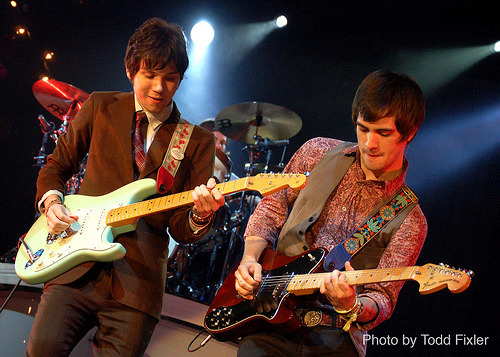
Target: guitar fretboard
x=120, y=216
x=307, y=283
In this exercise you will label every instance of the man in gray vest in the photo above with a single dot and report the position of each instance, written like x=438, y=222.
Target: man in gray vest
x=348, y=184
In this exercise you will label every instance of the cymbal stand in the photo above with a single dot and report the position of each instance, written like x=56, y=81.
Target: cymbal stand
x=263, y=145
x=68, y=117
x=48, y=131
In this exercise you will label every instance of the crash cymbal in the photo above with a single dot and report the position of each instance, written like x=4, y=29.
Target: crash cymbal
x=57, y=97
x=242, y=121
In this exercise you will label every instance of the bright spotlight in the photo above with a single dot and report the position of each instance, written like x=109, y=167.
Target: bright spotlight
x=496, y=47
x=202, y=34
x=281, y=21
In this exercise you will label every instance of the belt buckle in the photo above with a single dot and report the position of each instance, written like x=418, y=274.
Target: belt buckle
x=309, y=318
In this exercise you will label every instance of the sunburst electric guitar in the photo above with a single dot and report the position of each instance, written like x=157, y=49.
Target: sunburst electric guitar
x=44, y=256
x=285, y=279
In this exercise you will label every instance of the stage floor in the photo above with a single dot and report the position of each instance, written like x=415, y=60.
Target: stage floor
x=182, y=321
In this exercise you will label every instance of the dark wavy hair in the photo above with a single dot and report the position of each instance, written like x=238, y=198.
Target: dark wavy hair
x=385, y=93
x=157, y=43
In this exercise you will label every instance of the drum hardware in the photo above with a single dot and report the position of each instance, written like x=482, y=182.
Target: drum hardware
x=48, y=132
x=263, y=127
x=59, y=98
x=244, y=122
x=261, y=146
x=63, y=101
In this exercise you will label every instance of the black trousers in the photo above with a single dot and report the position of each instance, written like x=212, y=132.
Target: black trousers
x=67, y=312
x=314, y=341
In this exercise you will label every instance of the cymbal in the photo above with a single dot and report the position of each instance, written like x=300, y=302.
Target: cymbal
x=57, y=97
x=242, y=121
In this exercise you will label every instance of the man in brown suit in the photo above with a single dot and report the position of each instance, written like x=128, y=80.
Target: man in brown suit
x=124, y=298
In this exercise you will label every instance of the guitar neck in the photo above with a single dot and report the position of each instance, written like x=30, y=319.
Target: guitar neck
x=305, y=284
x=121, y=216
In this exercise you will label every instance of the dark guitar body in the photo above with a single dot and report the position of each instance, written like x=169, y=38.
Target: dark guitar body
x=230, y=317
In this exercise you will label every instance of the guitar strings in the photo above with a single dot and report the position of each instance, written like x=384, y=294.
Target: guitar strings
x=389, y=274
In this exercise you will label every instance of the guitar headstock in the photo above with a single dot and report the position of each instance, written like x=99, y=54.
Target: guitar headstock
x=432, y=278
x=269, y=183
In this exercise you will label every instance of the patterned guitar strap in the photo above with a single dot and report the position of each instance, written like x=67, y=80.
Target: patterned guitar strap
x=343, y=252
x=173, y=156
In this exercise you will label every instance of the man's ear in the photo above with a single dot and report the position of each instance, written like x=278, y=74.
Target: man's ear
x=410, y=138
x=128, y=75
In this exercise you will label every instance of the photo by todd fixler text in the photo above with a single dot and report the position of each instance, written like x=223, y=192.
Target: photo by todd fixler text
x=424, y=339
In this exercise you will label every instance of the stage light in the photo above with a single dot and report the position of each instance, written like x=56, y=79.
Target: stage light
x=21, y=31
x=202, y=34
x=496, y=47
x=49, y=55
x=468, y=134
x=13, y=3
x=432, y=69
x=281, y=21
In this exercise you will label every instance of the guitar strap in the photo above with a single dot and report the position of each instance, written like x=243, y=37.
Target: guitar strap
x=373, y=225
x=173, y=156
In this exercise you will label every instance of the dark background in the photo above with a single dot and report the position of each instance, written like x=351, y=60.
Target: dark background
x=312, y=67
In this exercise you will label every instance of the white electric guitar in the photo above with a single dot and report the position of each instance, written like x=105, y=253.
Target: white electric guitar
x=43, y=256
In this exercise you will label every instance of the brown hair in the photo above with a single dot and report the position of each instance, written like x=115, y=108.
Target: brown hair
x=385, y=93
x=209, y=124
x=157, y=43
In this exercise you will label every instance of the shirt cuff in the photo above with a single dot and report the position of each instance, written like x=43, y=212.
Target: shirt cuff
x=197, y=229
x=47, y=194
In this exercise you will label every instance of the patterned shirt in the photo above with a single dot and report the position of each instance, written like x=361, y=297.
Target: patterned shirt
x=346, y=208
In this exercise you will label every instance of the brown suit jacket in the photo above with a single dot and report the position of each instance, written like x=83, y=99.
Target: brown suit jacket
x=103, y=128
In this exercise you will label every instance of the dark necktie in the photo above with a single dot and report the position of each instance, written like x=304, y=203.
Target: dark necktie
x=138, y=144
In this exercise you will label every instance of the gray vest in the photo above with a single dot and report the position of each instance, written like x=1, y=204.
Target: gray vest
x=324, y=178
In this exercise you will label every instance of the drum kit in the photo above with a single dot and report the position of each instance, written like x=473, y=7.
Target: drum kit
x=195, y=271
x=63, y=101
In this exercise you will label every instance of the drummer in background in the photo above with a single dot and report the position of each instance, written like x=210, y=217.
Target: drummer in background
x=223, y=164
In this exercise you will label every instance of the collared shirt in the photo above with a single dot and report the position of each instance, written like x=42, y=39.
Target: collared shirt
x=155, y=121
x=346, y=208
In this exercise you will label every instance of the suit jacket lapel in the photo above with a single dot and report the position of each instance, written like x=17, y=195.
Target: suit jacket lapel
x=121, y=113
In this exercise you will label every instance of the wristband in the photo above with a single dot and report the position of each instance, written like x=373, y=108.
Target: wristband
x=50, y=204
x=344, y=312
x=347, y=317
x=198, y=220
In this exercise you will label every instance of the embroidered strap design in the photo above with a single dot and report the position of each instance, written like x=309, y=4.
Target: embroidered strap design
x=173, y=156
x=380, y=219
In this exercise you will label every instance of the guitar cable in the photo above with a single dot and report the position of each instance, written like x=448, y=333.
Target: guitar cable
x=31, y=256
x=202, y=344
x=10, y=296
x=32, y=260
